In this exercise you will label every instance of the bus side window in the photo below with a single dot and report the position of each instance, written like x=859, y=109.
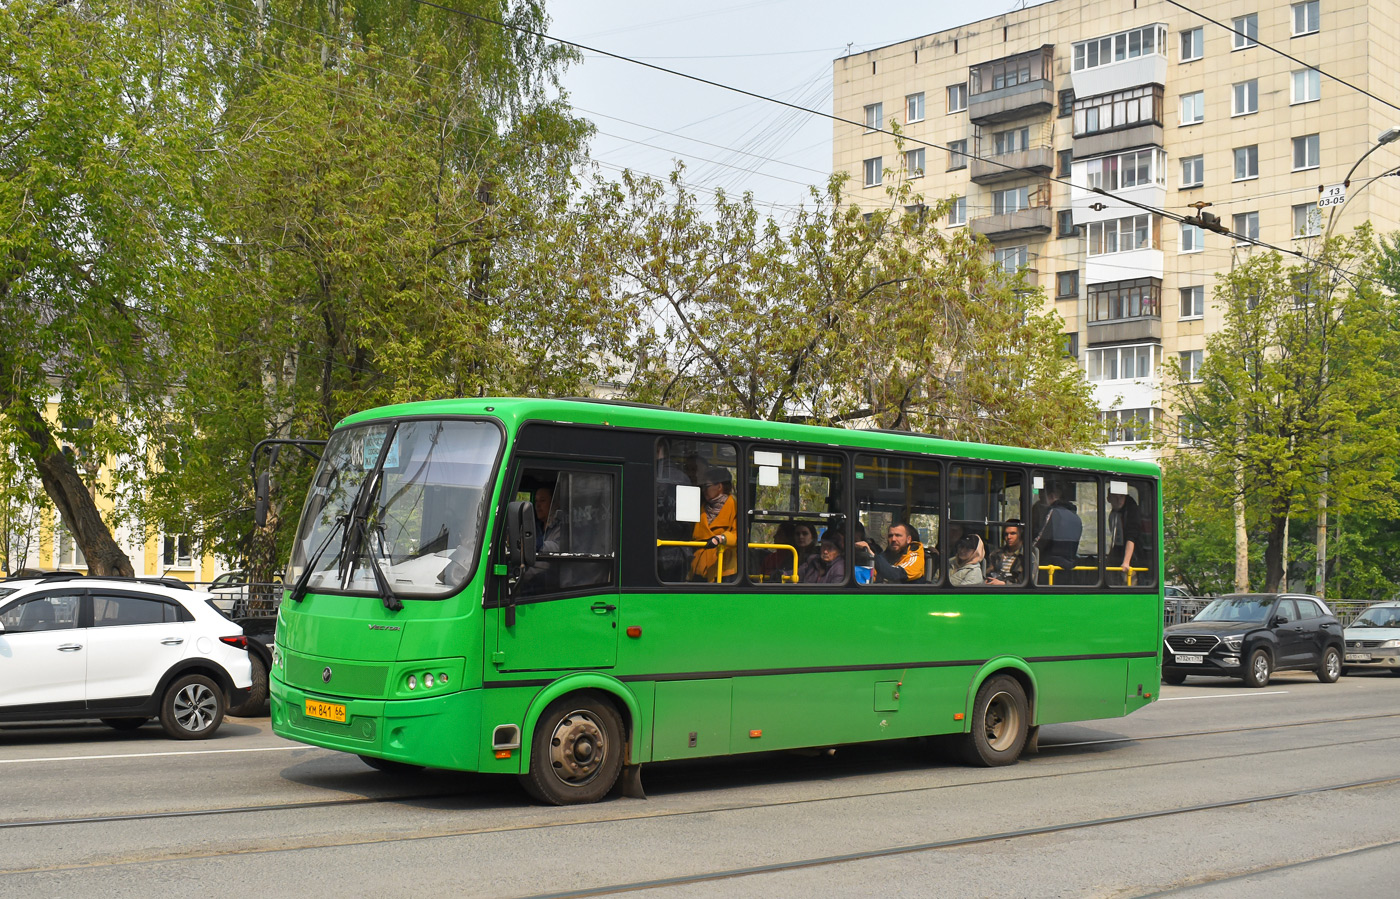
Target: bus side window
x=986, y=510
x=1065, y=527
x=1129, y=544
x=797, y=510
x=897, y=494
x=697, y=511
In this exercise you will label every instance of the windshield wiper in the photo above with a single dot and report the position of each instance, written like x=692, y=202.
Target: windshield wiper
x=299, y=588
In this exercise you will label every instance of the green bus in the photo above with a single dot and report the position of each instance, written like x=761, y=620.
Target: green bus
x=564, y=590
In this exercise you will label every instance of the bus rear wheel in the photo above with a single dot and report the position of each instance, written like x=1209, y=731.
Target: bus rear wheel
x=1000, y=723
x=576, y=753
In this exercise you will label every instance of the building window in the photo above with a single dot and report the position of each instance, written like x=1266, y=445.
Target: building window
x=874, y=116
x=1191, y=365
x=1246, y=162
x=914, y=108
x=1246, y=98
x=1012, y=259
x=957, y=213
x=1013, y=199
x=1193, y=44
x=1192, y=238
x=1246, y=225
x=176, y=552
x=957, y=154
x=1137, y=168
x=1011, y=141
x=1127, y=425
x=1246, y=31
x=1307, y=86
x=1193, y=302
x=1070, y=343
x=1305, y=152
x=874, y=172
x=1193, y=171
x=1135, y=232
x=1306, y=17
x=918, y=209
x=1307, y=220
x=1123, y=109
x=1123, y=363
x=914, y=162
x=1066, y=103
x=957, y=97
x=1067, y=284
x=1066, y=163
x=1123, y=300
x=1193, y=108
x=1102, y=51
x=1065, y=219
x=66, y=553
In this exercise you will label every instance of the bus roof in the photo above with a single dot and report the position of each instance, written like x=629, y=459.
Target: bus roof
x=516, y=411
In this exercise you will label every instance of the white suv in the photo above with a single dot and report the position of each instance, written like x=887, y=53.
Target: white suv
x=119, y=650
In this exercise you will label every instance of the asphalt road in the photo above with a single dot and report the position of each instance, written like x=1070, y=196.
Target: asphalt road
x=1216, y=790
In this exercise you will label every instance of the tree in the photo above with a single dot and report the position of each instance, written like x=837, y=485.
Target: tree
x=1290, y=396
x=102, y=109
x=838, y=316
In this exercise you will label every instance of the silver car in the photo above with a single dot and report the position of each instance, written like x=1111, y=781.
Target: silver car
x=1373, y=639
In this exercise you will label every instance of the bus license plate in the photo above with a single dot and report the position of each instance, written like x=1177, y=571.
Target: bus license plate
x=1358, y=657
x=326, y=711
x=1194, y=659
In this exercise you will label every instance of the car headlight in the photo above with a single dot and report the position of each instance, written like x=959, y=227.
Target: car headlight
x=1390, y=644
x=1233, y=642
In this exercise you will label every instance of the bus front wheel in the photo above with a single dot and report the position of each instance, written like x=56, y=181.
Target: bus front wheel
x=576, y=753
x=1000, y=722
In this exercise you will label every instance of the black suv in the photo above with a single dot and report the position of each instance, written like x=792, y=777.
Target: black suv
x=1252, y=635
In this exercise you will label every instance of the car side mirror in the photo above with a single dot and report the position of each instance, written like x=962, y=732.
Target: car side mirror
x=520, y=533
x=1280, y=620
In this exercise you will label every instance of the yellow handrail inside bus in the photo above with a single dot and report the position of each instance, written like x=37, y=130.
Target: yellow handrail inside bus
x=719, y=562
x=787, y=578
x=1054, y=568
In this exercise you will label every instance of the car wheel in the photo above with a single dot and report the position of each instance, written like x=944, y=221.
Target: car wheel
x=576, y=753
x=1000, y=722
x=1259, y=668
x=256, y=703
x=192, y=708
x=1330, y=668
x=1175, y=680
x=389, y=766
x=124, y=723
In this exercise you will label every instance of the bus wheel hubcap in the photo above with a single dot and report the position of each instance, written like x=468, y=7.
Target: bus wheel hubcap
x=1002, y=722
x=577, y=748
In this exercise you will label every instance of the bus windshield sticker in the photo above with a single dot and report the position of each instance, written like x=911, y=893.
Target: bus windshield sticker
x=801, y=462
x=375, y=440
x=767, y=476
x=1116, y=487
x=761, y=458
x=1038, y=483
x=687, y=503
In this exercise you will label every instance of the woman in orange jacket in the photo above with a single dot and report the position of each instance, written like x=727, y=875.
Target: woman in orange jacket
x=718, y=526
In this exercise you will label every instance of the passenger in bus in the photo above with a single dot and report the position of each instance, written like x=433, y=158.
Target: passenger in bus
x=863, y=555
x=903, y=559
x=544, y=499
x=779, y=562
x=717, y=527
x=1125, y=533
x=805, y=539
x=966, y=570
x=1008, y=564
x=826, y=566
x=1058, y=541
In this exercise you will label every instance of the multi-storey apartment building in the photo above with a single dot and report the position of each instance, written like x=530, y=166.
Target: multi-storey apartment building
x=1021, y=116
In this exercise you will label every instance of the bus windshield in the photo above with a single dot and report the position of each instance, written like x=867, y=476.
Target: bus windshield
x=424, y=515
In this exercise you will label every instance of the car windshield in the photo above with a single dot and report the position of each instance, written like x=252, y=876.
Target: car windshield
x=424, y=515
x=1385, y=616
x=1237, y=608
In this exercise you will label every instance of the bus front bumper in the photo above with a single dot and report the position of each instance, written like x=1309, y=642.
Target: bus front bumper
x=438, y=732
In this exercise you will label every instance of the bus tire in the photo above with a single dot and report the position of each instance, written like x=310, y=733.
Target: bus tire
x=1000, y=722
x=1258, y=669
x=576, y=753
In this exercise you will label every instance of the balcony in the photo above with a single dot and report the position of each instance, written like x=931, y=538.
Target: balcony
x=1147, y=327
x=1005, y=155
x=1015, y=87
x=1033, y=222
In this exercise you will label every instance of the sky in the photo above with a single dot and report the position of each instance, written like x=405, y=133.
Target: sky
x=647, y=119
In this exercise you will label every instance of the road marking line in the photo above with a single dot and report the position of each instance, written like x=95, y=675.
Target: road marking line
x=147, y=755
x=1225, y=695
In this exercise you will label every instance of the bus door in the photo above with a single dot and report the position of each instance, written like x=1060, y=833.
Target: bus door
x=565, y=606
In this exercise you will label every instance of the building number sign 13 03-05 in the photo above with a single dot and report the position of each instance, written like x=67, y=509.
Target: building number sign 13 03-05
x=1332, y=195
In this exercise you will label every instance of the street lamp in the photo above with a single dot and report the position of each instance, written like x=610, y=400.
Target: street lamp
x=1387, y=136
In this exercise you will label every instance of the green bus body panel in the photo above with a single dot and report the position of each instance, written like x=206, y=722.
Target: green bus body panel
x=740, y=671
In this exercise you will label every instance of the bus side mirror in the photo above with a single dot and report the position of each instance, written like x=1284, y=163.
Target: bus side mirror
x=260, y=501
x=520, y=533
